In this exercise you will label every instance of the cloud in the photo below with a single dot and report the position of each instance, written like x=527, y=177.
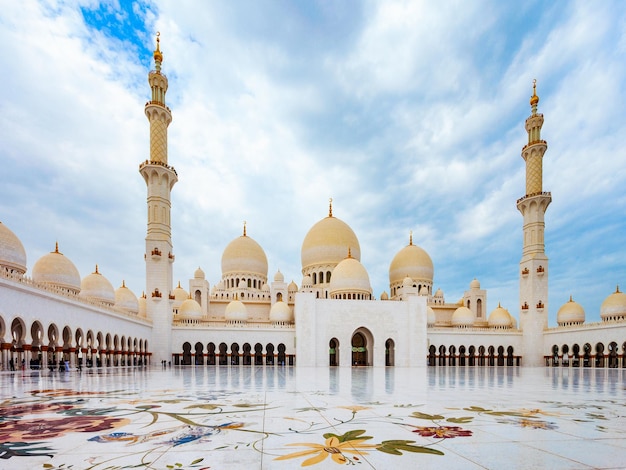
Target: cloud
x=410, y=115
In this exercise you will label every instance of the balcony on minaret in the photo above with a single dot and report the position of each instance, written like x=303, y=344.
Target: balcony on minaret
x=540, y=271
x=525, y=272
x=156, y=294
x=171, y=257
x=156, y=254
x=540, y=306
x=525, y=306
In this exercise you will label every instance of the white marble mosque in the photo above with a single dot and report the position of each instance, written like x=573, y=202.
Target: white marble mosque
x=51, y=316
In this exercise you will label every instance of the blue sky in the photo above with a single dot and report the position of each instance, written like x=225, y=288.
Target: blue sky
x=410, y=115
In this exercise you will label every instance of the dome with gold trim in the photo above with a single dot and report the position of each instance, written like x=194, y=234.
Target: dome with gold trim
x=97, y=287
x=126, y=300
x=499, y=318
x=413, y=262
x=614, y=306
x=326, y=243
x=570, y=313
x=244, y=255
x=180, y=294
x=57, y=270
x=12, y=253
x=350, y=278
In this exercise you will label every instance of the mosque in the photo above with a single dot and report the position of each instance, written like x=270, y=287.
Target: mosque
x=53, y=316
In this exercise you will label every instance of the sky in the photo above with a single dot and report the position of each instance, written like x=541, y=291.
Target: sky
x=410, y=115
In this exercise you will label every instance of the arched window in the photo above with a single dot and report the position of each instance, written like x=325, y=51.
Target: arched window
x=479, y=308
x=314, y=278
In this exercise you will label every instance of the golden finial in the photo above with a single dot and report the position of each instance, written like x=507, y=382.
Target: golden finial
x=617, y=289
x=411, y=237
x=330, y=207
x=244, y=228
x=178, y=285
x=96, y=270
x=534, y=99
x=158, y=56
x=349, y=253
x=570, y=298
x=123, y=283
x=56, y=247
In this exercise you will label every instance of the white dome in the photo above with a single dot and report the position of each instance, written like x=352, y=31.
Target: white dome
x=265, y=288
x=384, y=295
x=326, y=243
x=411, y=261
x=430, y=316
x=244, y=255
x=236, y=311
x=126, y=300
x=350, y=277
x=292, y=287
x=307, y=282
x=12, y=253
x=570, y=313
x=474, y=285
x=97, y=287
x=614, y=306
x=190, y=309
x=407, y=282
x=180, y=294
x=57, y=270
x=280, y=312
x=198, y=274
x=463, y=316
x=439, y=293
x=278, y=277
x=500, y=318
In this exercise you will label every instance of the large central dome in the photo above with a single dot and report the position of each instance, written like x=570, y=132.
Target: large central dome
x=244, y=255
x=328, y=242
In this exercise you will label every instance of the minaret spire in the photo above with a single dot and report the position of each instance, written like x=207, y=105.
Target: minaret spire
x=160, y=179
x=534, y=262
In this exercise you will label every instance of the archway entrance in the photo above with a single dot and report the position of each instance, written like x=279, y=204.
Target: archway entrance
x=362, y=346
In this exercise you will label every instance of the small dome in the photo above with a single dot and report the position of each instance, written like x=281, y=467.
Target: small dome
x=351, y=277
x=424, y=290
x=411, y=261
x=126, y=300
x=278, y=277
x=198, y=274
x=430, y=316
x=327, y=241
x=384, y=296
x=307, y=282
x=57, y=270
x=244, y=255
x=266, y=287
x=190, y=309
x=180, y=294
x=280, y=312
x=407, y=282
x=474, y=285
x=292, y=287
x=614, y=306
x=236, y=311
x=463, y=316
x=97, y=287
x=12, y=253
x=570, y=313
x=439, y=293
x=500, y=318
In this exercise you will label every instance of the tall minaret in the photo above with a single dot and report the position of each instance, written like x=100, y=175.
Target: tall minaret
x=160, y=178
x=534, y=263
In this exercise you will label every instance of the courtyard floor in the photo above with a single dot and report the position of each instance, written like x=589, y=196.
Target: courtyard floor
x=285, y=417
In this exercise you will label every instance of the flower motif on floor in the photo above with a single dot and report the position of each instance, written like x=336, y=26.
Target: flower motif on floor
x=333, y=447
x=29, y=430
x=442, y=432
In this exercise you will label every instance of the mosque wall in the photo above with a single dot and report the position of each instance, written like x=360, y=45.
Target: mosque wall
x=318, y=321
